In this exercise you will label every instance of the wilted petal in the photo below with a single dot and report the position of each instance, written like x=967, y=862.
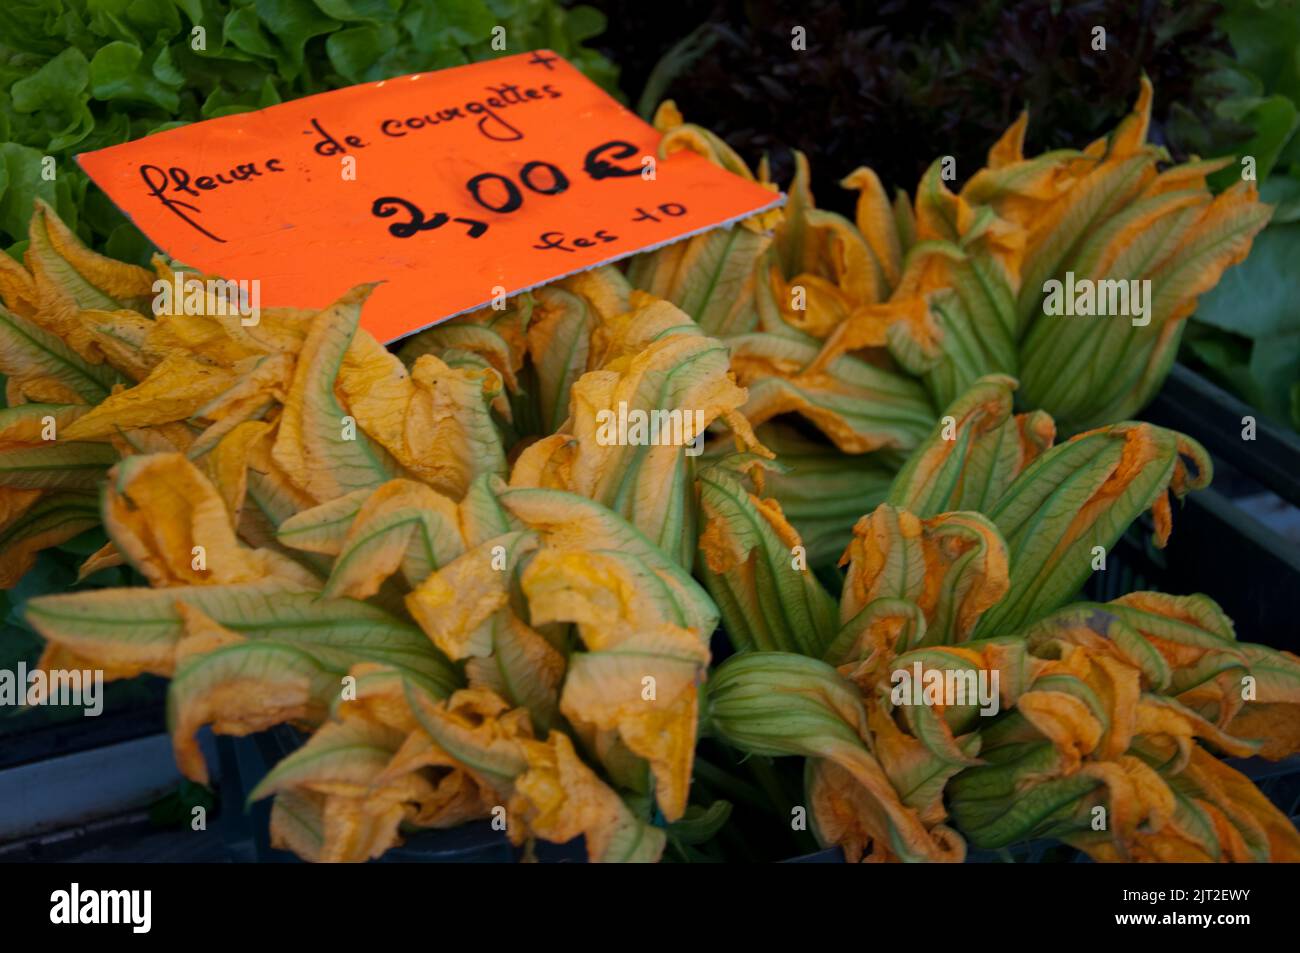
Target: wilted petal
x=167, y=518
x=403, y=524
x=41, y=368
x=435, y=421
x=140, y=629
x=776, y=703
x=953, y=566
x=568, y=521
x=68, y=277
x=858, y=406
x=313, y=444
x=240, y=689
x=559, y=798
x=455, y=605
x=523, y=668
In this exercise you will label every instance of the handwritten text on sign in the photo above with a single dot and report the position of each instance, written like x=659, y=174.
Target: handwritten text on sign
x=449, y=187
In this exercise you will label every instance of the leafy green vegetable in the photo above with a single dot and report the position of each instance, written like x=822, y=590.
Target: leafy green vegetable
x=1253, y=324
x=85, y=74
x=892, y=84
x=1247, y=330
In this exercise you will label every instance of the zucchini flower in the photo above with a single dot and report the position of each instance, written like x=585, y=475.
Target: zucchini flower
x=857, y=405
x=565, y=319
x=359, y=656
x=1087, y=756
x=638, y=420
x=1116, y=254
x=949, y=319
x=952, y=567
x=545, y=789
x=754, y=564
x=973, y=455
x=1081, y=495
x=318, y=405
x=820, y=257
x=53, y=358
x=1186, y=649
x=1047, y=268
x=332, y=544
x=1082, y=722
x=539, y=344
x=775, y=287
x=63, y=280
x=47, y=487
x=1052, y=505
x=822, y=276
x=779, y=703
x=1069, y=730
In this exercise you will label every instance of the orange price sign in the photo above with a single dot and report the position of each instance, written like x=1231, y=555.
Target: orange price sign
x=452, y=188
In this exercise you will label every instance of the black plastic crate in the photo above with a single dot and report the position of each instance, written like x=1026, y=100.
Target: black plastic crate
x=1196, y=406
x=1220, y=546
x=1221, y=551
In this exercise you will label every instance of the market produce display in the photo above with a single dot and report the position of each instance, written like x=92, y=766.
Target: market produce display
x=1104, y=707
x=809, y=529
x=476, y=604
x=867, y=331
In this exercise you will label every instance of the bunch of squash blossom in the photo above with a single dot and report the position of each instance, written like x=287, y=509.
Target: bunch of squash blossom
x=334, y=538
x=1107, y=718
x=434, y=565
x=866, y=330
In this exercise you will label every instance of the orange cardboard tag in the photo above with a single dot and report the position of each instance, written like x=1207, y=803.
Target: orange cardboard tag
x=452, y=188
